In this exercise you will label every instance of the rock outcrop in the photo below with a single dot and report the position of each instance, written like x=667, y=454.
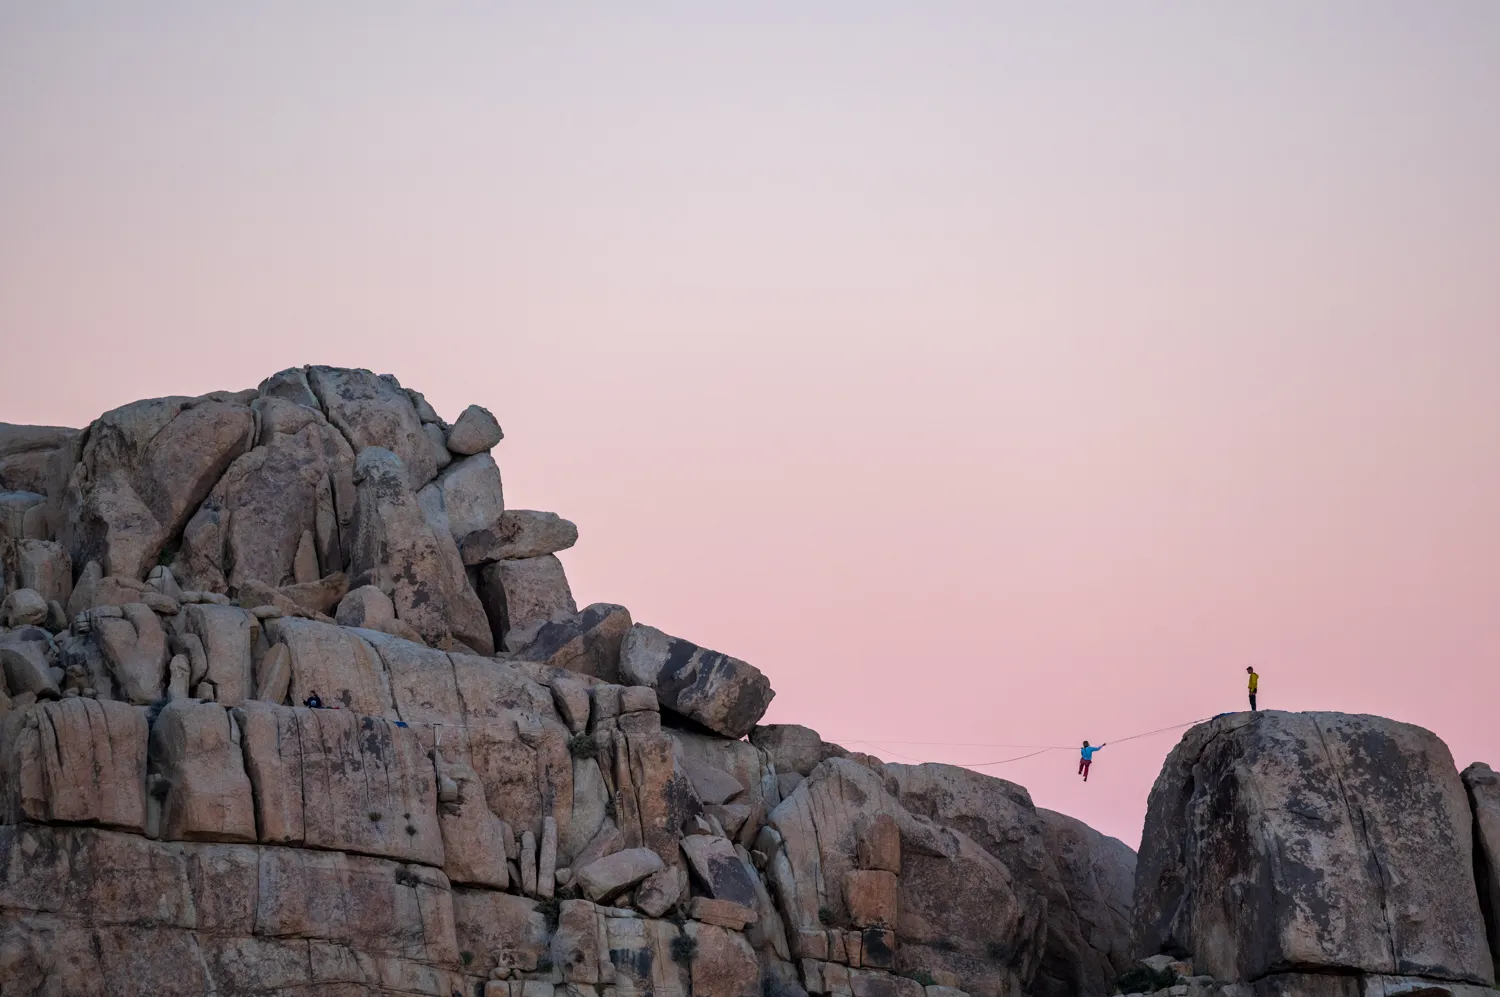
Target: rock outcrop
x=1314, y=853
x=497, y=793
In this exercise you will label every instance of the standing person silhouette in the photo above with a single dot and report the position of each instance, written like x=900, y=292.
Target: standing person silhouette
x=1254, y=685
x=1086, y=760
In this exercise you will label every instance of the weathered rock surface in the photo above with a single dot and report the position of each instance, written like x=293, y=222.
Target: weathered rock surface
x=1098, y=874
x=293, y=487
x=999, y=815
x=75, y=762
x=195, y=752
x=519, y=533
x=959, y=910
x=396, y=549
x=134, y=646
x=606, y=878
x=724, y=694
x=588, y=643
x=577, y=817
x=521, y=596
x=30, y=454
x=1280, y=842
x=474, y=430
x=1483, y=787
x=372, y=411
x=42, y=566
x=465, y=498
x=144, y=471
x=23, y=608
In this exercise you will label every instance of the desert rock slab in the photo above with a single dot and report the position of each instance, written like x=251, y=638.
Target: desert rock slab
x=724, y=694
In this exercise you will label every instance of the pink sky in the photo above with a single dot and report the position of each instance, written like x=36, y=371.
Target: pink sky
x=993, y=373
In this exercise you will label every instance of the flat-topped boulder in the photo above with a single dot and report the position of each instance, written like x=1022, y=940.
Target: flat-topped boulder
x=724, y=694
x=1311, y=841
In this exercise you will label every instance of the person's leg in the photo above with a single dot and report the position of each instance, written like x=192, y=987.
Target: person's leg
x=1253, y=708
x=1086, y=770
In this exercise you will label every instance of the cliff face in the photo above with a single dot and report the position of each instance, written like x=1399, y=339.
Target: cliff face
x=1319, y=853
x=502, y=794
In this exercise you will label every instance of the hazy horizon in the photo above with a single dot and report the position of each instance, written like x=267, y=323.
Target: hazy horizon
x=986, y=374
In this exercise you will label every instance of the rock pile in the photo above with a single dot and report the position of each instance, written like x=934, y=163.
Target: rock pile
x=504, y=794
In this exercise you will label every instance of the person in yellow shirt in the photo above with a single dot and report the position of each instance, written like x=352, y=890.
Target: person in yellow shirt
x=1254, y=685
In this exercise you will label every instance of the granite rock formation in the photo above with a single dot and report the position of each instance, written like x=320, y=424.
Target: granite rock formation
x=1319, y=854
x=500, y=794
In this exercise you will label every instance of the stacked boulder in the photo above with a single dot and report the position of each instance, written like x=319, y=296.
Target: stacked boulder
x=497, y=793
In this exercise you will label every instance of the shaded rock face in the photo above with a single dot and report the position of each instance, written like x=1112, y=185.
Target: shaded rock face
x=1483, y=787
x=395, y=547
x=958, y=909
x=1281, y=842
x=576, y=816
x=1079, y=956
x=293, y=485
x=143, y=472
x=1098, y=875
x=374, y=411
x=32, y=456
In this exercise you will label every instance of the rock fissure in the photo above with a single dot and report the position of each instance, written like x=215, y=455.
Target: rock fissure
x=1373, y=856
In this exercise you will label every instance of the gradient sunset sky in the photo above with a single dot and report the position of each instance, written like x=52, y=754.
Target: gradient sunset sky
x=986, y=373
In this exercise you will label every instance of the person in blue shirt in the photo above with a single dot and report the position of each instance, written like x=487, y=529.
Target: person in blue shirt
x=1086, y=760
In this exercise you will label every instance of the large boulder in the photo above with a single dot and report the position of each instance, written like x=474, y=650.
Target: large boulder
x=793, y=748
x=1001, y=818
x=587, y=643
x=724, y=694
x=75, y=762
x=519, y=533
x=134, y=647
x=25, y=452
x=723, y=964
x=27, y=658
x=22, y=514
x=396, y=550
x=606, y=878
x=36, y=461
x=196, y=754
x=522, y=596
x=1483, y=787
x=960, y=911
x=334, y=662
x=144, y=471
x=291, y=494
x=23, y=608
x=474, y=431
x=374, y=411
x=228, y=636
x=465, y=498
x=474, y=838
x=1311, y=842
x=40, y=565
